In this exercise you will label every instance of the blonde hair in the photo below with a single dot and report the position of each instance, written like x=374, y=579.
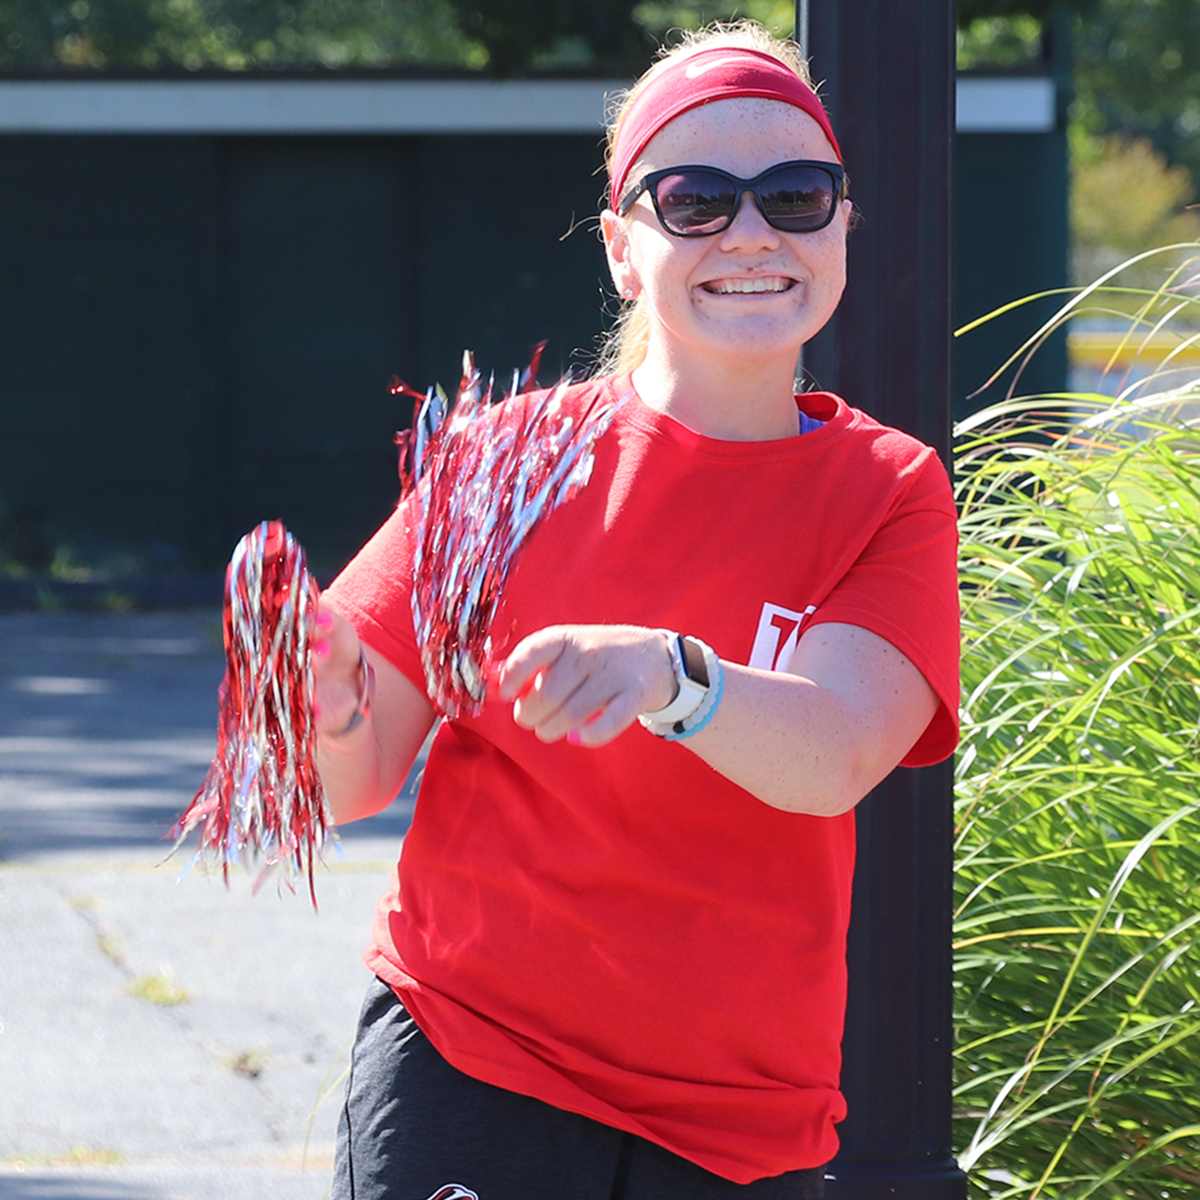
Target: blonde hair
x=625, y=345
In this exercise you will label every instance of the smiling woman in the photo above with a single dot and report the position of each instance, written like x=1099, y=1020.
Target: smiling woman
x=728, y=310
x=612, y=963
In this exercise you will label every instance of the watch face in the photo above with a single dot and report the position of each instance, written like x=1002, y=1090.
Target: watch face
x=694, y=666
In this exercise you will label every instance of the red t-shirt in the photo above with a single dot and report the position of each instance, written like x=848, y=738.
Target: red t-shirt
x=623, y=932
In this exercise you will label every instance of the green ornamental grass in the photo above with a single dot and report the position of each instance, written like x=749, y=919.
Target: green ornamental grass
x=1077, y=924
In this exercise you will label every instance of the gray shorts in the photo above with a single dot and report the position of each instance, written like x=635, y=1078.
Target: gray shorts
x=415, y=1128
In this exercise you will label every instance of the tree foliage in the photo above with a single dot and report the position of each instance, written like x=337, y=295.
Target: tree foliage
x=1137, y=71
x=977, y=10
x=504, y=37
x=519, y=33
x=231, y=34
x=1135, y=63
x=1000, y=42
x=1125, y=199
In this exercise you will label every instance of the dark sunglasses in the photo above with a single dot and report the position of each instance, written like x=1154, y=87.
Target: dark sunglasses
x=795, y=197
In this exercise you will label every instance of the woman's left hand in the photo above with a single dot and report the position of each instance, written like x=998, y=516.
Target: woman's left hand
x=587, y=683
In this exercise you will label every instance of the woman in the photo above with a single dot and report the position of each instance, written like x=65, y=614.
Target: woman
x=612, y=964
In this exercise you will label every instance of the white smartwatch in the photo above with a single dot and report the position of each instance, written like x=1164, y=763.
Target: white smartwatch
x=690, y=663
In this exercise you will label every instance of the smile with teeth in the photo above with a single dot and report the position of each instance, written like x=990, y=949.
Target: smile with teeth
x=763, y=283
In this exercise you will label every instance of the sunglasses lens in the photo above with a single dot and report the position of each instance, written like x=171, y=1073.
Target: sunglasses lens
x=693, y=203
x=798, y=199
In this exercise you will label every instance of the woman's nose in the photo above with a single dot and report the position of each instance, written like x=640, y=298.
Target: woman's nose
x=749, y=226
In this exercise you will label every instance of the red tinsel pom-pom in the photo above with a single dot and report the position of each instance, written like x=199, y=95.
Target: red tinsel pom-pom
x=484, y=476
x=262, y=797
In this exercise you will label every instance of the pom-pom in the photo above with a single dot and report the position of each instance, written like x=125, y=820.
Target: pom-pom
x=484, y=476
x=262, y=796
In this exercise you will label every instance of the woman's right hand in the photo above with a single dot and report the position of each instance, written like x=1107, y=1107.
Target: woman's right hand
x=338, y=668
x=362, y=763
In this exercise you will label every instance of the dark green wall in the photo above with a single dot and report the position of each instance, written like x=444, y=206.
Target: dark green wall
x=197, y=333
x=106, y=318
x=1011, y=241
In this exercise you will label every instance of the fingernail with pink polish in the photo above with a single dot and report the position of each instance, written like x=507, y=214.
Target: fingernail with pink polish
x=575, y=738
x=316, y=712
x=320, y=649
x=324, y=621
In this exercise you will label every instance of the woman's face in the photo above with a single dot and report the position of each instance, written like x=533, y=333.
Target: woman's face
x=694, y=286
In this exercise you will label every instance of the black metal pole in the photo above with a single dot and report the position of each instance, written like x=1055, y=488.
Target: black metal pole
x=887, y=68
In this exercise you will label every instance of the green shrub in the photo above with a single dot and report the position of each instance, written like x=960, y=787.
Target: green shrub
x=1078, y=791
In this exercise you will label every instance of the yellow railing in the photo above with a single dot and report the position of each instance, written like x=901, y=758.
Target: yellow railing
x=1117, y=349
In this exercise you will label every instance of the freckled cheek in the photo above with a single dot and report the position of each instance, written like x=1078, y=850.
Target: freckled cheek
x=829, y=270
x=666, y=278
x=840, y=280
x=837, y=259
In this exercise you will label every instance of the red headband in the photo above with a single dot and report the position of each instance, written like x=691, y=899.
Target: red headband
x=719, y=73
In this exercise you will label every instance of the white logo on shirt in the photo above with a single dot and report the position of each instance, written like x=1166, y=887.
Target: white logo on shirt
x=778, y=632
x=454, y=1191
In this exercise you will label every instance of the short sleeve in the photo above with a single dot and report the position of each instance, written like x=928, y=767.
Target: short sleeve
x=374, y=593
x=904, y=587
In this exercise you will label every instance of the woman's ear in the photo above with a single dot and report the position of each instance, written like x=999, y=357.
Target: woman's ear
x=618, y=250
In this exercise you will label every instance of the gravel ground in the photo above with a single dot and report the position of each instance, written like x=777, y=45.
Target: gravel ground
x=162, y=1037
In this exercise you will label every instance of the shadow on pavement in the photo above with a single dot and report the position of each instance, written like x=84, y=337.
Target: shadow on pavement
x=70, y=1187
x=36, y=830
x=107, y=726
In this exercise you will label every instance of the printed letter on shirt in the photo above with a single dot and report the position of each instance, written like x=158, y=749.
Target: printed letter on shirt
x=779, y=630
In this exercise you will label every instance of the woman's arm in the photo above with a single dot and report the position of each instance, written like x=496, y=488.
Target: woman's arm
x=814, y=739
x=363, y=769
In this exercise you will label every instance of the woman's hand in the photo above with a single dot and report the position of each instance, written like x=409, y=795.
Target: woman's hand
x=587, y=683
x=362, y=763
x=814, y=738
x=338, y=671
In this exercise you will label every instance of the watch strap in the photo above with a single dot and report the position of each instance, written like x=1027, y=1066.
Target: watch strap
x=693, y=664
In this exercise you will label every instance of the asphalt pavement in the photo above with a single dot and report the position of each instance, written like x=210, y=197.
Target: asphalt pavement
x=162, y=1037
